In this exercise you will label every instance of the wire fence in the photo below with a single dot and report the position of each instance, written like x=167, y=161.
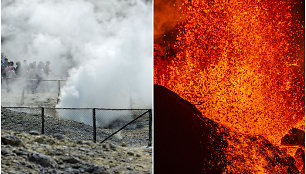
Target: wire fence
x=96, y=124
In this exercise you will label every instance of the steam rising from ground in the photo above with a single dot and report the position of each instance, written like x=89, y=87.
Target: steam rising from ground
x=105, y=46
x=118, y=71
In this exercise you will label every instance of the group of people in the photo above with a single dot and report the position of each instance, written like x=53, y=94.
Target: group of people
x=32, y=72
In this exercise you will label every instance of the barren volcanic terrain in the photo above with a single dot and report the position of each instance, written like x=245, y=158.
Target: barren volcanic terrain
x=25, y=150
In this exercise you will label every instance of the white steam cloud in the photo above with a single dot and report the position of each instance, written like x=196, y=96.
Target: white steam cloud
x=105, y=46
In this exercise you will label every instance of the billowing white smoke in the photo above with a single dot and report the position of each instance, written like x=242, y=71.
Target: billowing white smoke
x=106, y=46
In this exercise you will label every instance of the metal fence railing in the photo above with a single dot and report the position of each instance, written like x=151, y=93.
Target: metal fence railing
x=96, y=124
x=21, y=91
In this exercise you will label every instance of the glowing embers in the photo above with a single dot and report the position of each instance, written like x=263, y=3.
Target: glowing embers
x=241, y=63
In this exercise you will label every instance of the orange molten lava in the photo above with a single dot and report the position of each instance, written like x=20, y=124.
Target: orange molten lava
x=240, y=62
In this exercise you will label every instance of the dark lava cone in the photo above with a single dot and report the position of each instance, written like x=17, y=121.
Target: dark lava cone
x=184, y=142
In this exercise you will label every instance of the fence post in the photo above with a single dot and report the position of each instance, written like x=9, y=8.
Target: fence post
x=42, y=120
x=59, y=90
x=94, y=125
x=22, y=97
x=150, y=127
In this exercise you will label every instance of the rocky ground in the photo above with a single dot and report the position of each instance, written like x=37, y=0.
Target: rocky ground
x=25, y=120
x=67, y=147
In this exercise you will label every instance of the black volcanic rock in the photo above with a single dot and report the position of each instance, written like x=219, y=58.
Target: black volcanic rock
x=295, y=137
x=41, y=159
x=11, y=140
x=184, y=141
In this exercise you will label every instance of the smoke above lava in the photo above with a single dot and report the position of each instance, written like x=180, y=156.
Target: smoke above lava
x=105, y=46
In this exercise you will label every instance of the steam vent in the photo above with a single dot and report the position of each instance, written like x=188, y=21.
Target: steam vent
x=230, y=86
